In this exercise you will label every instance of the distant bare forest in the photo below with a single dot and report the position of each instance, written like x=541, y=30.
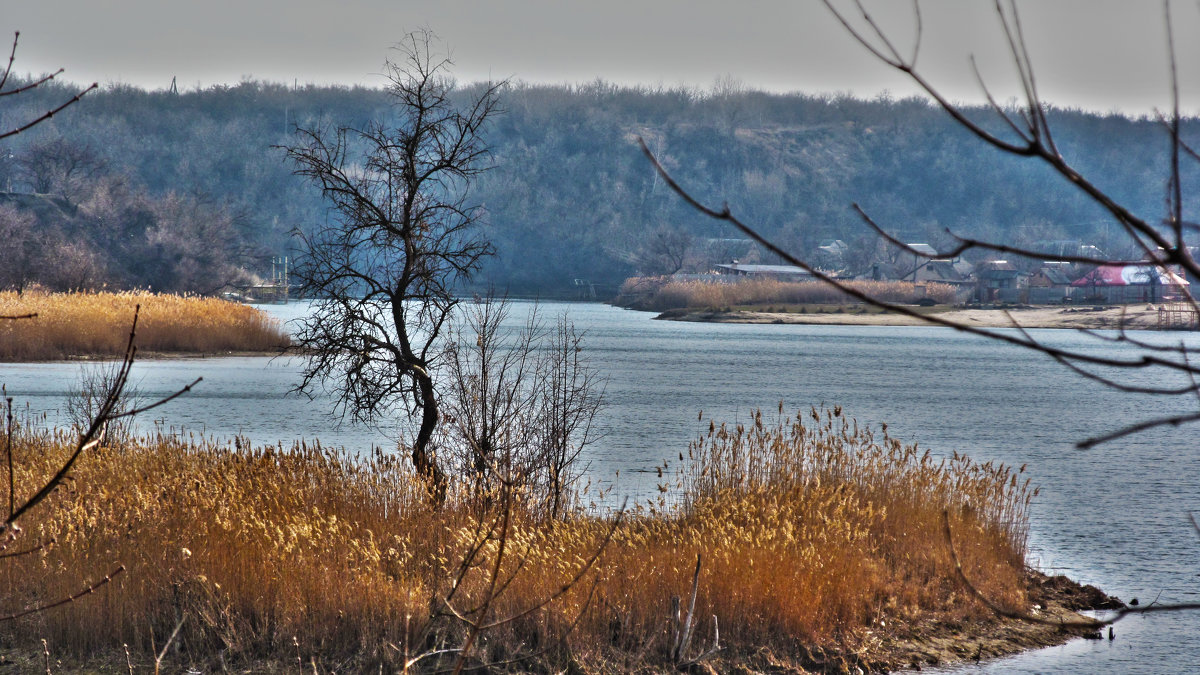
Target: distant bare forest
x=184, y=191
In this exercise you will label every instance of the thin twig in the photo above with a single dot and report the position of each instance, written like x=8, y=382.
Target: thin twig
x=58, y=603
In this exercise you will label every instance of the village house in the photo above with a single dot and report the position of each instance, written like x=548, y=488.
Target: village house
x=1050, y=283
x=777, y=272
x=999, y=281
x=1126, y=283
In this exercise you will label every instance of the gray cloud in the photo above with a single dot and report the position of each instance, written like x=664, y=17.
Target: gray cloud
x=1096, y=54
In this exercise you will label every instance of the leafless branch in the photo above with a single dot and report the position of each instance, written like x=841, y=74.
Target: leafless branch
x=42, y=546
x=48, y=114
x=476, y=619
x=90, y=438
x=1174, y=421
x=33, y=85
x=158, y=659
x=1034, y=139
x=583, y=570
x=724, y=214
x=159, y=402
x=58, y=603
x=967, y=243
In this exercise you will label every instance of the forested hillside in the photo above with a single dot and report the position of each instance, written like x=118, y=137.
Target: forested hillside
x=180, y=191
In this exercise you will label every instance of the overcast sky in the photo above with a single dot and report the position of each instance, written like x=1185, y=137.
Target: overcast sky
x=1097, y=54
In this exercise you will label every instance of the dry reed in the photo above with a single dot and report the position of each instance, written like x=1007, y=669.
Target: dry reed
x=811, y=532
x=664, y=294
x=97, y=325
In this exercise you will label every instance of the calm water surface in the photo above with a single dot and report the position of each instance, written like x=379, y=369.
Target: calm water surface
x=1115, y=516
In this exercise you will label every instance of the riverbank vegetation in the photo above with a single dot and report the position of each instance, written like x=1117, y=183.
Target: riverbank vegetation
x=816, y=538
x=96, y=325
x=660, y=294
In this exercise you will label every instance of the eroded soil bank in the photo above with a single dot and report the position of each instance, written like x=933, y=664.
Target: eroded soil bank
x=908, y=646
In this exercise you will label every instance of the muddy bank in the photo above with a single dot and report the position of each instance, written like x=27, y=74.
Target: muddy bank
x=898, y=645
x=1133, y=317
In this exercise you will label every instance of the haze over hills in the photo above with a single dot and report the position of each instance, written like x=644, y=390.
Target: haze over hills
x=570, y=197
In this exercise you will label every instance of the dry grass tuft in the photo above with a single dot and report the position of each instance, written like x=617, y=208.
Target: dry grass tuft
x=97, y=325
x=811, y=532
x=661, y=294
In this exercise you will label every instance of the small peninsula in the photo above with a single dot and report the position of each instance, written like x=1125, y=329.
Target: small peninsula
x=56, y=326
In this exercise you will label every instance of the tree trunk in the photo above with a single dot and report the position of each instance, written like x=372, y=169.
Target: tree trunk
x=423, y=462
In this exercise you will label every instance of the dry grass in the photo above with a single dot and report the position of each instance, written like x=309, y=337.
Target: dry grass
x=97, y=325
x=810, y=532
x=664, y=294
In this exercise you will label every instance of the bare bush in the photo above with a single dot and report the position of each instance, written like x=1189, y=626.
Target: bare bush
x=90, y=394
x=520, y=403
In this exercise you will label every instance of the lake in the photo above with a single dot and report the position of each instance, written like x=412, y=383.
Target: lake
x=1114, y=516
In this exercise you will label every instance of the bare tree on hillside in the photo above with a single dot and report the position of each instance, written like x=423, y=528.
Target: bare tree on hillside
x=400, y=237
x=19, y=247
x=662, y=251
x=60, y=166
x=1025, y=132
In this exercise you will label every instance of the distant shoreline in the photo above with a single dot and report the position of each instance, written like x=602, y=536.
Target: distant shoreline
x=155, y=355
x=1132, y=317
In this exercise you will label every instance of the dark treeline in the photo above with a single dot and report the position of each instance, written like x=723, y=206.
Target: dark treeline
x=180, y=191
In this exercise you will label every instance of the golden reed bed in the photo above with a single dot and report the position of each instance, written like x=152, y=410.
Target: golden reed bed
x=663, y=293
x=97, y=325
x=813, y=534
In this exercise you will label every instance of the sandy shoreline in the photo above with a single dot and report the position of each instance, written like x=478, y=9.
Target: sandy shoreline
x=1133, y=317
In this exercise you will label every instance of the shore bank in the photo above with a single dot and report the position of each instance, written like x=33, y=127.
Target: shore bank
x=895, y=646
x=901, y=645
x=940, y=643
x=1132, y=317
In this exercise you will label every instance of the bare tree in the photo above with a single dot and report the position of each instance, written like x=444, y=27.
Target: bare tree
x=60, y=166
x=19, y=247
x=89, y=397
x=488, y=397
x=572, y=394
x=663, y=251
x=400, y=238
x=1025, y=131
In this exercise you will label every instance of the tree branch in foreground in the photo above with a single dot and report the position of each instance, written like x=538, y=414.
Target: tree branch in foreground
x=1146, y=360
x=33, y=85
x=1116, y=616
